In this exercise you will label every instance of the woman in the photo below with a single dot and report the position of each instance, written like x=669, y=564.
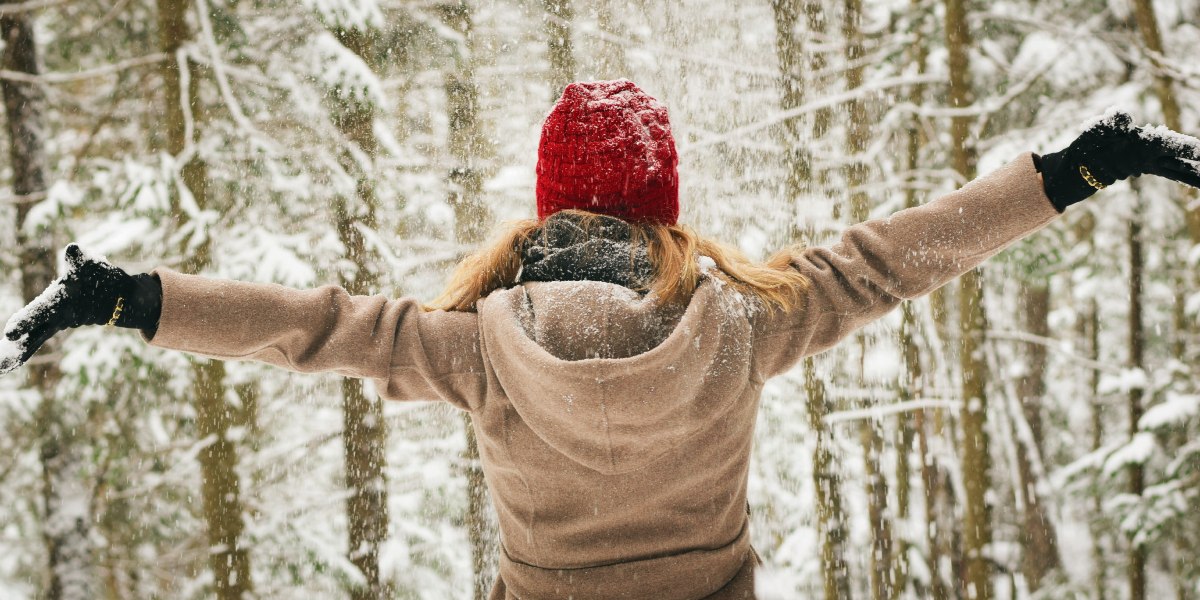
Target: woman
x=612, y=360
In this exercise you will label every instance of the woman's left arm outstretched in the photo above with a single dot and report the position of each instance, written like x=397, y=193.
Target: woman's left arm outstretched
x=881, y=262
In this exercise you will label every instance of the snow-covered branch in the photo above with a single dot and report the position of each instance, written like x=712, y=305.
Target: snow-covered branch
x=106, y=70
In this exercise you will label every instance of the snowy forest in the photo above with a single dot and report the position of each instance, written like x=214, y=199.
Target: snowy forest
x=1028, y=431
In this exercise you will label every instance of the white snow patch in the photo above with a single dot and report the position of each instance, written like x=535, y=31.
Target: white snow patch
x=1108, y=117
x=1183, y=144
x=706, y=264
x=60, y=196
x=1191, y=306
x=1177, y=409
x=361, y=15
x=346, y=73
x=39, y=305
x=1136, y=452
x=1124, y=382
x=10, y=352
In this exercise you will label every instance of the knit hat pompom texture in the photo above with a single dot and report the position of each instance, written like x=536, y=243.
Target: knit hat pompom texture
x=606, y=148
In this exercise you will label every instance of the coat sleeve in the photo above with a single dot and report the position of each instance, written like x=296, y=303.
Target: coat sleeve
x=881, y=262
x=410, y=353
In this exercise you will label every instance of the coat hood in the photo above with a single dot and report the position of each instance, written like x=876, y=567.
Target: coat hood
x=608, y=377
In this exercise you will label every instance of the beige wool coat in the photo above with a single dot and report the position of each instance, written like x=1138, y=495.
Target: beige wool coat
x=615, y=435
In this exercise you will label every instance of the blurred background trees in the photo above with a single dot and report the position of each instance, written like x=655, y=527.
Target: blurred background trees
x=1029, y=431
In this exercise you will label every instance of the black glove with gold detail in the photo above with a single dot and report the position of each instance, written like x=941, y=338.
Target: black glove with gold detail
x=92, y=292
x=1110, y=149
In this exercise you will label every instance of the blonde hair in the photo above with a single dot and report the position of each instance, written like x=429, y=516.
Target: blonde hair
x=673, y=250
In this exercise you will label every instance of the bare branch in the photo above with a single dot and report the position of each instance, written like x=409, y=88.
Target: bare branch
x=23, y=199
x=1054, y=346
x=882, y=410
x=114, y=68
x=826, y=102
x=31, y=5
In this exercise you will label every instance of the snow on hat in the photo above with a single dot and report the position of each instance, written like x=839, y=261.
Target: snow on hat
x=606, y=148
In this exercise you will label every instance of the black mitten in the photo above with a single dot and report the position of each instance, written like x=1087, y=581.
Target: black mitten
x=92, y=292
x=1113, y=149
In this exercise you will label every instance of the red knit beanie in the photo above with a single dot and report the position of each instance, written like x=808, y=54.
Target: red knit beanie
x=607, y=148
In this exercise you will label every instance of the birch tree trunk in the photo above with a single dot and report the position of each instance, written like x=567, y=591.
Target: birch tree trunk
x=364, y=433
x=228, y=557
x=471, y=219
x=976, y=459
x=66, y=497
x=612, y=63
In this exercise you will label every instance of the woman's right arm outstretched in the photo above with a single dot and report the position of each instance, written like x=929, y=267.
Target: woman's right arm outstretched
x=412, y=354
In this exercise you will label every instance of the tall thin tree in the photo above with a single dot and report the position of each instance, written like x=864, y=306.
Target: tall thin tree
x=560, y=49
x=972, y=321
x=466, y=144
x=364, y=430
x=66, y=526
x=798, y=178
x=858, y=136
x=228, y=556
x=1137, y=360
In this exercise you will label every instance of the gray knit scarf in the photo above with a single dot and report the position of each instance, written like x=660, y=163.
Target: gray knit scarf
x=563, y=250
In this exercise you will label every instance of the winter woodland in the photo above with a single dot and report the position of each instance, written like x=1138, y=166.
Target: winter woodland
x=1028, y=431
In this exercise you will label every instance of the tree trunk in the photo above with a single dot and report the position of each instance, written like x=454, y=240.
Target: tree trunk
x=976, y=460
x=228, y=557
x=1038, y=536
x=831, y=516
x=471, y=218
x=66, y=498
x=930, y=473
x=1147, y=23
x=612, y=61
x=858, y=137
x=365, y=434
x=790, y=53
x=559, y=14
x=1097, y=408
x=1137, y=345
